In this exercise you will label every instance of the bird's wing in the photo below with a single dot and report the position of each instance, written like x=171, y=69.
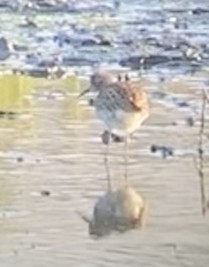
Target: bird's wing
x=136, y=96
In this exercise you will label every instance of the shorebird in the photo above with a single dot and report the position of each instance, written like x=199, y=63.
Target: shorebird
x=122, y=105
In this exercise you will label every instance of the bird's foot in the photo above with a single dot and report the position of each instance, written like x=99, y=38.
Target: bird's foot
x=105, y=137
x=117, y=139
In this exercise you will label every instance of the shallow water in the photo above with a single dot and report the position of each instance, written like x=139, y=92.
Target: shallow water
x=51, y=166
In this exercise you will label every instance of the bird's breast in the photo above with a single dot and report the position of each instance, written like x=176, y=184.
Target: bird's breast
x=120, y=122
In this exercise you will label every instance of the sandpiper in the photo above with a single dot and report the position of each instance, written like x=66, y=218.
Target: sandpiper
x=122, y=105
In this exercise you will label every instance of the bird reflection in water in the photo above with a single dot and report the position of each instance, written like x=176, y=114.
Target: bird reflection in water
x=117, y=211
x=122, y=106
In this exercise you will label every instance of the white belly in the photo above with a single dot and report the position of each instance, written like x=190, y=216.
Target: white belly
x=120, y=122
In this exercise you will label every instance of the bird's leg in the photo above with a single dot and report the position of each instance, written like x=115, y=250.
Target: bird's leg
x=126, y=160
x=106, y=142
x=127, y=78
x=119, y=78
x=107, y=167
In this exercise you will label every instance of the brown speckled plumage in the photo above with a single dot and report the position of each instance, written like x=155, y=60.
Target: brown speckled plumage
x=121, y=105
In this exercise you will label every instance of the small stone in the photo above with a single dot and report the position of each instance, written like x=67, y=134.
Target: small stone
x=199, y=11
x=91, y=102
x=45, y=193
x=190, y=121
x=166, y=151
x=154, y=148
x=104, y=43
x=20, y=159
x=183, y=104
x=89, y=42
x=4, y=49
x=2, y=113
x=200, y=151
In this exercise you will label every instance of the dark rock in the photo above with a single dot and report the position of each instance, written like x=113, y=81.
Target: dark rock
x=78, y=61
x=190, y=121
x=4, y=49
x=89, y=42
x=5, y=4
x=136, y=62
x=37, y=72
x=200, y=151
x=128, y=42
x=2, y=113
x=166, y=151
x=91, y=102
x=183, y=104
x=57, y=72
x=117, y=4
x=104, y=42
x=49, y=6
x=20, y=159
x=154, y=148
x=20, y=48
x=153, y=41
x=199, y=11
x=40, y=39
x=17, y=71
x=7, y=114
x=47, y=63
x=45, y=193
x=28, y=23
x=62, y=39
x=177, y=10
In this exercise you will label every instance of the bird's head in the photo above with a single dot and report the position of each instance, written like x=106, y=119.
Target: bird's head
x=98, y=81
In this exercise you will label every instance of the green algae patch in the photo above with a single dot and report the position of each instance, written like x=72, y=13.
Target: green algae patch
x=13, y=92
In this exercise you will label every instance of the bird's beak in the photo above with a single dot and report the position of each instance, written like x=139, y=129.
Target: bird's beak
x=84, y=92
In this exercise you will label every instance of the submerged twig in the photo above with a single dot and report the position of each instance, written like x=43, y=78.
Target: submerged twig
x=200, y=165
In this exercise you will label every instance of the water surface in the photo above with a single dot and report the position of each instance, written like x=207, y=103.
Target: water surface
x=51, y=165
